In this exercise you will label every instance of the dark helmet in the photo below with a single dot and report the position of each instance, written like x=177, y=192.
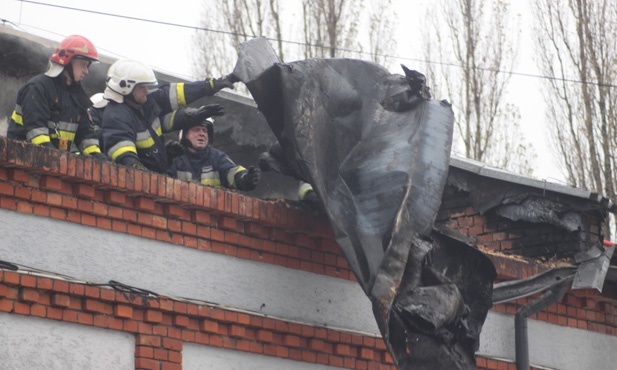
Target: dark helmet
x=207, y=123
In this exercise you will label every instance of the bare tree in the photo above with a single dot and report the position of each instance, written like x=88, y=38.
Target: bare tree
x=576, y=51
x=475, y=50
x=381, y=25
x=330, y=27
x=229, y=23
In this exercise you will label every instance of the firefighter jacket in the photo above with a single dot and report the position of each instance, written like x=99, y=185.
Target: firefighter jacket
x=47, y=110
x=209, y=167
x=133, y=133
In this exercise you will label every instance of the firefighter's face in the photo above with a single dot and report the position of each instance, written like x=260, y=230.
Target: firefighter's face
x=80, y=68
x=140, y=93
x=198, y=136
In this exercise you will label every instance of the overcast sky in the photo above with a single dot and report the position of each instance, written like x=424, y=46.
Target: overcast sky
x=167, y=47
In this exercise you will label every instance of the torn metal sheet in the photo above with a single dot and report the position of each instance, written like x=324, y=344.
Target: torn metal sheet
x=593, y=268
x=376, y=149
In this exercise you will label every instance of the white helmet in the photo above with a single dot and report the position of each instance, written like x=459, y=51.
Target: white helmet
x=124, y=75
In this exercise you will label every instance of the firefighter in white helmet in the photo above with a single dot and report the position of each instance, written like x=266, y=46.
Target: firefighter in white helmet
x=139, y=112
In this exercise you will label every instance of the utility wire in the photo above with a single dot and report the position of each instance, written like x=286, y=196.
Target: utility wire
x=447, y=64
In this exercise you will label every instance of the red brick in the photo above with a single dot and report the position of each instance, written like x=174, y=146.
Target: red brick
x=123, y=311
x=237, y=331
x=209, y=326
x=29, y=295
x=291, y=340
x=28, y=281
x=153, y=316
x=144, y=352
x=7, y=189
x=316, y=344
x=148, y=340
x=160, y=354
x=172, y=344
x=170, y=366
x=54, y=199
x=181, y=320
x=146, y=364
x=60, y=300
x=52, y=183
x=366, y=354
x=19, y=176
x=257, y=230
x=6, y=305
x=172, y=210
x=342, y=349
x=85, y=318
x=144, y=204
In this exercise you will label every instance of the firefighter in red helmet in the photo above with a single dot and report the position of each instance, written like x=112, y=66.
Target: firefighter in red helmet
x=51, y=108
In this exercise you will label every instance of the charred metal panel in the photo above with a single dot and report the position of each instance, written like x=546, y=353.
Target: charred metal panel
x=376, y=149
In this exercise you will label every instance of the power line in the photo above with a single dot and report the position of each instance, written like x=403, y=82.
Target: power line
x=447, y=64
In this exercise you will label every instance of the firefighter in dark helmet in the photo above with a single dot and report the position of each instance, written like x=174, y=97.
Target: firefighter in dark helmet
x=207, y=165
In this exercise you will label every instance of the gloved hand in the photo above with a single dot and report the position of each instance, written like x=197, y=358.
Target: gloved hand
x=197, y=115
x=311, y=198
x=139, y=166
x=132, y=162
x=249, y=179
x=48, y=145
x=174, y=149
x=223, y=82
x=99, y=156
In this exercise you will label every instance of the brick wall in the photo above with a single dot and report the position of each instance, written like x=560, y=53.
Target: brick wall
x=529, y=239
x=58, y=185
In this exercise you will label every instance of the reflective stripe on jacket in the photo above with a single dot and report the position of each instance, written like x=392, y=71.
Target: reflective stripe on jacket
x=210, y=167
x=47, y=110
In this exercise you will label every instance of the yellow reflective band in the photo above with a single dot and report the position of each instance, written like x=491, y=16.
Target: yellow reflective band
x=169, y=121
x=41, y=139
x=91, y=149
x=180, y=92
x=145, y=144
x=231, y=175
x=123, y=150
x=159, y=130
x=18, y=118
x=67, y=135
x=304, y=188
x=211, y=182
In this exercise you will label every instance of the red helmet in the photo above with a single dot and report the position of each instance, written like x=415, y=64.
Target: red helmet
x=74, y=46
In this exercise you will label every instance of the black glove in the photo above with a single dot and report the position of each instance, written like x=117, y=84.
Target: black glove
x=139, y=166
x=249, y=179
x=99, y=156
x=198, y=115
x=311, y=198
x=132, y=162
x=174, y=149
x=223, y=82
x=48, y=145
